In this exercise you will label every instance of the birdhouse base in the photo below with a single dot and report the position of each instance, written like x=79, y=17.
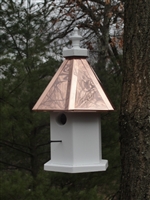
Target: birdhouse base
x=101, y=166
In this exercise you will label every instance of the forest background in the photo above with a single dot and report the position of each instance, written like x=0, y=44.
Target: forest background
x=32, y=38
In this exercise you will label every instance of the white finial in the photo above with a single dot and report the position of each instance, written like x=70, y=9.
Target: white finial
x=75, y=38
x=75, y=50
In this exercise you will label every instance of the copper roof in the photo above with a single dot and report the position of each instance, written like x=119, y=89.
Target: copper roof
x=75, y=86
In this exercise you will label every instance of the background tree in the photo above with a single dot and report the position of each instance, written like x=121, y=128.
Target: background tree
x=26, y=67
x=101, y=23
x=135, y=105
x=31, y=37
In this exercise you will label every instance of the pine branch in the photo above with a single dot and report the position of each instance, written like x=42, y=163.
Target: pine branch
x=43, y=153
x=40, y=145
x=17, y=149
x=17, y=167
x=17, y=86
x=14, y=143
x=14, y=41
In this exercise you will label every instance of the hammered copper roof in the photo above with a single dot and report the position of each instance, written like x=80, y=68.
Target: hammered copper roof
x=74, y=87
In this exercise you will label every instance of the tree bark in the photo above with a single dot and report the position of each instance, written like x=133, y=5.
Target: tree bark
x=135, y=104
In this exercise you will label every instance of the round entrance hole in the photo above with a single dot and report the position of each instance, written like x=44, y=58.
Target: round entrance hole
x=61, y=119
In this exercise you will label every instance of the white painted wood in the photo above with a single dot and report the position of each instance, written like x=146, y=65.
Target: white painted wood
x=80, y=149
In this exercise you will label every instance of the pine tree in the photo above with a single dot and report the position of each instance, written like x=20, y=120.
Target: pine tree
x=26, y=67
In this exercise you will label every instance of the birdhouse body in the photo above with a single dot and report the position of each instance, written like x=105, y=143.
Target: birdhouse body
x=80, y=149
x=74, y=97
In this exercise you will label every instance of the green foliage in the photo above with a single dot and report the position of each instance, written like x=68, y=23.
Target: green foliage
x=14, y=185
x=18, y=185
x=111, y=81
x=27, y=68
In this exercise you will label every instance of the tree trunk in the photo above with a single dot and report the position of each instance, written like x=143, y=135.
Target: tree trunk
x=135, y=106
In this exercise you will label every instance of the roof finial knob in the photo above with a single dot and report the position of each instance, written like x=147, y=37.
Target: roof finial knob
x=75, y=38
x=75, y=51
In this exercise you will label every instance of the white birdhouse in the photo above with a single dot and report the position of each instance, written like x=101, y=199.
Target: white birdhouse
x=75, y=98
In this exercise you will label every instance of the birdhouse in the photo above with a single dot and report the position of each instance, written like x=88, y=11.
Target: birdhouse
x=75, y=99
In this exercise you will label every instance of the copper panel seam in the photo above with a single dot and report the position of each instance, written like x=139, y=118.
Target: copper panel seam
x=98, y=86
